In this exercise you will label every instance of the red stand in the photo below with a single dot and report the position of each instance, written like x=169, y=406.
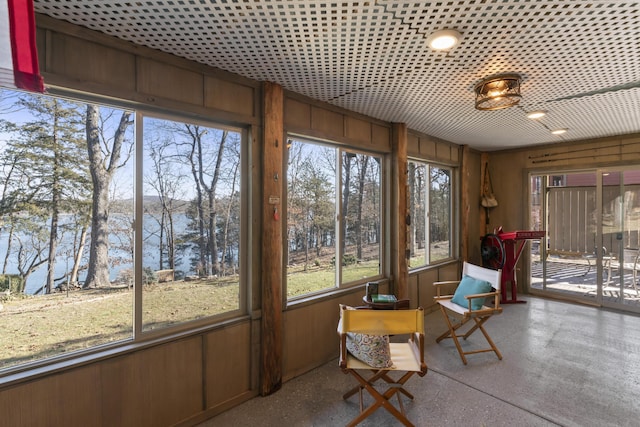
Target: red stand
x=513, y=244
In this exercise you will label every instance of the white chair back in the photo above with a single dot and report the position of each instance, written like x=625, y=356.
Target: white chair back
x=487, y=274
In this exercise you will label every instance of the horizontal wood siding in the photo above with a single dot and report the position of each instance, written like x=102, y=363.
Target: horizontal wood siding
x=229, y=96
x=421, y=146
x=89, y=62
x=84, y=60
x=314, y=119
x=168, y=81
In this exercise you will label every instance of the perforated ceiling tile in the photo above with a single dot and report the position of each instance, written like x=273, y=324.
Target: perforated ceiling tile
x=580, y=60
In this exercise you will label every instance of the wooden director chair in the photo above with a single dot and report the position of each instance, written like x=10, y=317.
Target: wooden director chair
x=468, y=303
x=407, y=358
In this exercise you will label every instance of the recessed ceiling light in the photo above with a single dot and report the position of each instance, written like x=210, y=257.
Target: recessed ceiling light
x=536, y=114
x=444, y=39
x=558, y=131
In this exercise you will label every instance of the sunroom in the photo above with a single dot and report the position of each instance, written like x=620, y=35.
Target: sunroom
x=202, y=183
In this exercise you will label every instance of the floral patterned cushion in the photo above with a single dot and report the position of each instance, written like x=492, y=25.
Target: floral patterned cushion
x=371, y=349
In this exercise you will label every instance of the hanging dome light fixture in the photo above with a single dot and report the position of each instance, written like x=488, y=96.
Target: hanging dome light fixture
x=497, y=92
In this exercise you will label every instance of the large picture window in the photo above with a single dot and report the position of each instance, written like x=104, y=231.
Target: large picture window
x=70, y=193
x=334, y=203
x=191, y=228
x=430, y=207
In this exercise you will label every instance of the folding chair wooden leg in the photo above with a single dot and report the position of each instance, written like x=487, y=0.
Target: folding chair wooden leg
x=381, y=399
x=402, y=390
x=377, y=375
x=489, y=340
x=381, y=374
x=451, y=333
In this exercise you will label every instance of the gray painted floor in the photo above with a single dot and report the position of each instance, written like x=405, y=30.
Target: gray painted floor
x=563, y=364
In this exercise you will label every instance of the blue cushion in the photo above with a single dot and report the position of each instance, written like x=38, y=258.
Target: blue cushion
x=469, y=286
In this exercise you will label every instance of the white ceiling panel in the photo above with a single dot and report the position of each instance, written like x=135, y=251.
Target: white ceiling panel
x=579, y=60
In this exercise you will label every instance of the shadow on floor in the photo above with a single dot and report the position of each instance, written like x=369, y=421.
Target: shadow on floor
x=579, y=279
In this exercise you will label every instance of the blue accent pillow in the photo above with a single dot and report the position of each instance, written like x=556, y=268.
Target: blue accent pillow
x=469, y=286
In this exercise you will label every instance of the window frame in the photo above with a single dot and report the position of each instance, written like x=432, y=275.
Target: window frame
x=188, y=325
x=338, y=186
x=453, y=214
x=139, y=338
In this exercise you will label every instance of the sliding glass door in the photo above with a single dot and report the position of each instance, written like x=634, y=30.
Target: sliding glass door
x=621, y=229
x=591, y=252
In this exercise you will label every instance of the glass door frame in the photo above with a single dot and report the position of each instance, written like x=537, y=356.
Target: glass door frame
x=600, y=259
x=620, y=218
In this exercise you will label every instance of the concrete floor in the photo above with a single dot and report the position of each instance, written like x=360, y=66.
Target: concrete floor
x=563, y=364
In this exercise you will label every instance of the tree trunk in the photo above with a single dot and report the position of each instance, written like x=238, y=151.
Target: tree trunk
x=358, y=227
x=98, y=273
x=171, y=245
x=55, y=208
x=9, y=246
x=412, y=207
x=53, y=247
x=345, y=203
x=78, y=256
x=213, y=214
x=227, y=220
x=162, y=238
x=101, y=174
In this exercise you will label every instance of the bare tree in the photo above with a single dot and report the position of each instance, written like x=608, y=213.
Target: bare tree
x=167, y=184
x=206, y=192
x=105, y=157
x=362, y=162
x=231, y=203
x=346, y=185
x=31, y=250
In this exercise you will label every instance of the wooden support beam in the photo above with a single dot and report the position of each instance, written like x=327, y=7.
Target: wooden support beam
x=272, y=248
x=399, y=211
x=465, y=206
x=484, y=220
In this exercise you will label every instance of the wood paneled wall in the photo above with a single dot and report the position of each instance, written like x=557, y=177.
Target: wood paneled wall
x=84, y=60
x=304, y=116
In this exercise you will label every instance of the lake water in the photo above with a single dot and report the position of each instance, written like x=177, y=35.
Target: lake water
x=64, y=261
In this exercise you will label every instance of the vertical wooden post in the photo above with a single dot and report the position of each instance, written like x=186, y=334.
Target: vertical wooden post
x=484, y=162
x=465, y=206
x=399, y=211
x=273, y=151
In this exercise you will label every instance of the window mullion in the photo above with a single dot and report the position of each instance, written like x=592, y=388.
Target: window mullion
x=137, y=257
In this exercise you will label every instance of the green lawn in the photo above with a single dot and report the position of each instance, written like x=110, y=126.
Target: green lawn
x=300, y=282
x=37, y=327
